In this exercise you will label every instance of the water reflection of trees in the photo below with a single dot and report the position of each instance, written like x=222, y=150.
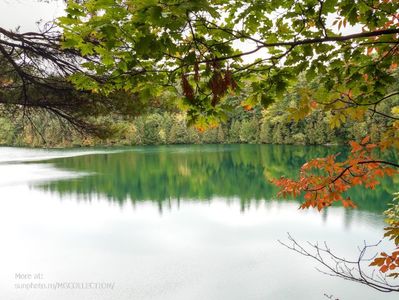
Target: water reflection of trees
x=195, y=172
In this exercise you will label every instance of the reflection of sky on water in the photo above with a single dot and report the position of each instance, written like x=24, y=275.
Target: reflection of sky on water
x=23, y=165
x=201, y=250
x=211, y=249
x=19, y=174
x=15, y=155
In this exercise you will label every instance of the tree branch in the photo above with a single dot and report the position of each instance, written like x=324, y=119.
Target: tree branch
x=340, y=267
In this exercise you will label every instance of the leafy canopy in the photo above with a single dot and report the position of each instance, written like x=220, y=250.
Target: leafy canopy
x=193, y=47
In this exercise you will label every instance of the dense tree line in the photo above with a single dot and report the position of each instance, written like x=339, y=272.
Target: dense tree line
x=160, y=126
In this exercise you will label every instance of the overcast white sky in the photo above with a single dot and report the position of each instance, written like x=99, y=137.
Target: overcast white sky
x=26, y=13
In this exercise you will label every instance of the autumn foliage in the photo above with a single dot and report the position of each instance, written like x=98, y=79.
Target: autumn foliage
x=387, y=262
x=324, y=181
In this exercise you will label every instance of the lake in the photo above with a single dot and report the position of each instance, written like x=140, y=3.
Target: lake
x=171, y=222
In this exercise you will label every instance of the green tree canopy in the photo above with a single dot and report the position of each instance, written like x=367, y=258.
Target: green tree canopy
x=193, y=47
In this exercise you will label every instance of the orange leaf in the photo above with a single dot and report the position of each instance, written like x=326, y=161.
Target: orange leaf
x=313, y=104
x=384, y=268
x=355, y=146
x=200, y=128
x=247, y=107
x=379, y=261
x=365, y=140
x=348, y=203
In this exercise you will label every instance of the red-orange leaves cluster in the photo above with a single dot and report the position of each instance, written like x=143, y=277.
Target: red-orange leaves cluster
x=188, y=90
x=387, y=262
x=324, y=181
x=220, y=82
x=247, y=107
